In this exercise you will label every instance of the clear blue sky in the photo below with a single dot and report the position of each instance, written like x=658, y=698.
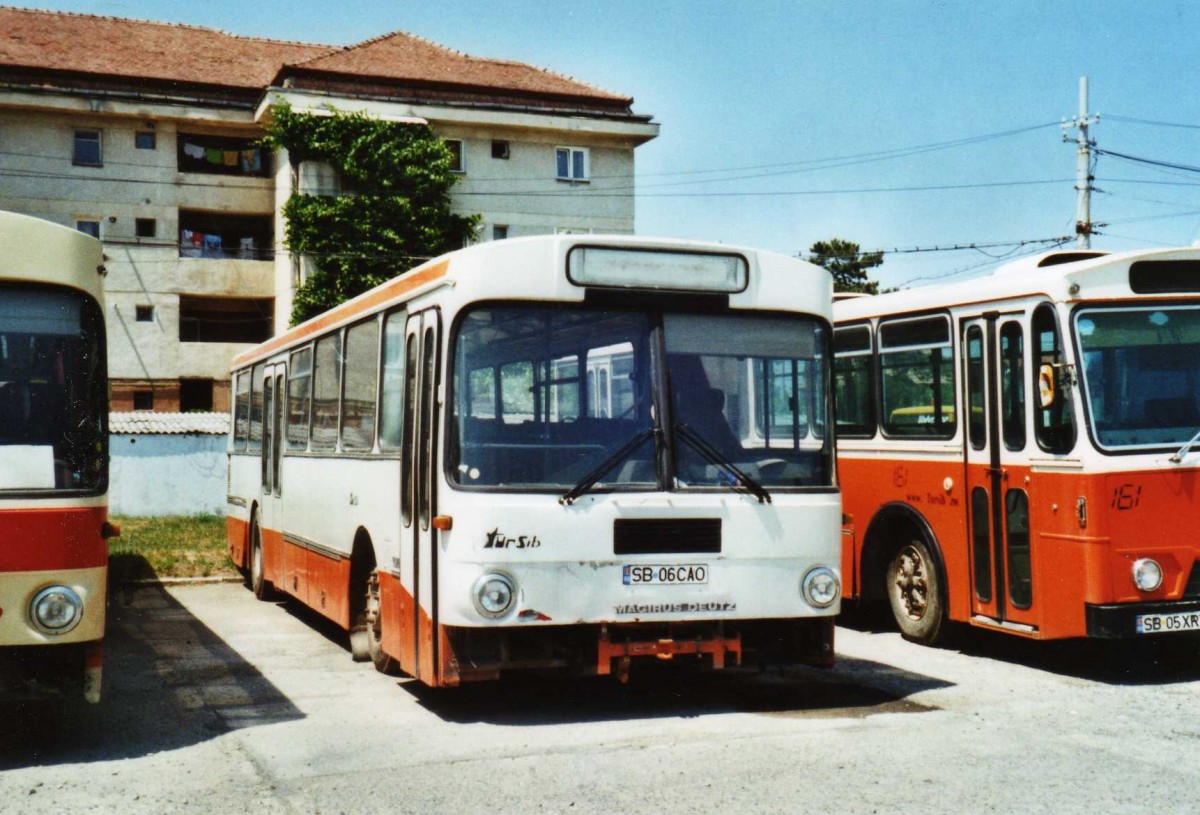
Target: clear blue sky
x=782, y=86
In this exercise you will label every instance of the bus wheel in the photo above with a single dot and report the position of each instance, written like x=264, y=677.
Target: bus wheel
x=373, y=629
x=259, y=584
x=914, y=593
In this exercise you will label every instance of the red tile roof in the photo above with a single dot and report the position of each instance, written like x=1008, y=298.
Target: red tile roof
x=404, y=57
x=113, y=47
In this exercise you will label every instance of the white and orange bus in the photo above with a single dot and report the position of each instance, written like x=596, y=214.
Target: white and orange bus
x=559, y=452
x=53, y=461
x=1021, y=452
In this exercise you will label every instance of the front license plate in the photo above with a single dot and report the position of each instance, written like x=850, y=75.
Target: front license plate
x=690, y=574
x=1168, y=623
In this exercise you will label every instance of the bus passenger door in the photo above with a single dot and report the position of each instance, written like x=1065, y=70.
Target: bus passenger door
x=983, y=475
x=998, y=474
x=419, y=655
x=274, y=550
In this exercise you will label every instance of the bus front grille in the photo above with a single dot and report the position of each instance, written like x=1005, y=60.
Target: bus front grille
x=666, y=536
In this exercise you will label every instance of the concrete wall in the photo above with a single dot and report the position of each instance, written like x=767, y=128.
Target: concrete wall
x=167, y=474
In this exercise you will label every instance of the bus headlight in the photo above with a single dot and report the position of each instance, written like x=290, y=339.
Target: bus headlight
x=493, y=595
x=820, y=587
x=56, y=610
x=1147, y=574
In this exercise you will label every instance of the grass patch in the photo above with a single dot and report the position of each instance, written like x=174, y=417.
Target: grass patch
x=172, y=546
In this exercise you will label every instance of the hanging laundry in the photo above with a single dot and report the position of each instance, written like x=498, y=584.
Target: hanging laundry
x=231, y=157
x=212, y=246
x=190, y=244
x=193, y=151
x=213, y=156
x=247, y=248
x=251, y=161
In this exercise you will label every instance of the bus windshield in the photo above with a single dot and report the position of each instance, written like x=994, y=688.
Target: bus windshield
x=544, y=395
x=1141, y=374
x=52, y=390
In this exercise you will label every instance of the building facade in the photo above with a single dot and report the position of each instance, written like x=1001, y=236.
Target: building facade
x=145, y=135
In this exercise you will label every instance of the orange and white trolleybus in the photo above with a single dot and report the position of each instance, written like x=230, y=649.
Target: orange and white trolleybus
x=566, y=452
x=1022, y=452
x=53, y=461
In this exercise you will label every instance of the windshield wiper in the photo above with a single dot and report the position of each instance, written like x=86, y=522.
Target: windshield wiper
x=1183, y=451
x=606, y=466
x=714, y=456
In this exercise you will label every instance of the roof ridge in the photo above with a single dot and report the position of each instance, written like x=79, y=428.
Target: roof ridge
x=167, y=25
x=455, y=52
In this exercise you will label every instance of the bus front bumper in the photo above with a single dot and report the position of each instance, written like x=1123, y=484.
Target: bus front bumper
x=1121, y=620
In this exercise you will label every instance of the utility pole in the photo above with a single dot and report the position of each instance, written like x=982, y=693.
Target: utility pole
x=1083, y=167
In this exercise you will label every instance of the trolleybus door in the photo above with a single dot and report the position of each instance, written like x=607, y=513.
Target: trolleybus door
x=271, y=507
x=993, y=353
x=419, y=485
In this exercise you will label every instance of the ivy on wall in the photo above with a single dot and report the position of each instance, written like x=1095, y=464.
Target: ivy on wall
x=394, y=211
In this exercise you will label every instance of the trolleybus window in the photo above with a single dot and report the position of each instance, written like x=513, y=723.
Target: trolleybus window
x=751, y=388
x=976, y=425
x=917, y=378
x=362, y=374
x=1141, y=374
x=854, y=382
x=299, y=399
x=326, y=380
x=532, y=432
x=1054, y=426
x=241, y=411
x=52, y=398
x=392, y=400
x=256, y=408
x=746, y=391
x=1012, y=385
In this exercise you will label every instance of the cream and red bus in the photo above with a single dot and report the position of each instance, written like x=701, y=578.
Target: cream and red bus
x=566, y=452
x=53, y=461
x=1020, y=452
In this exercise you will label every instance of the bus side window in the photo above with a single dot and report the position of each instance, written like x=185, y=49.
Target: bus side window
x=326, y=382
x=1054, y=425
x=391, y=408
x=362, y=373
x=1012, y=385
x=254, y=444
x=299, y=399
x=916, y=376
x=241, y=411
x=854, y=382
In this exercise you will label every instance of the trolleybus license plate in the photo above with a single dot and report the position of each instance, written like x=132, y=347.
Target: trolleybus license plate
x=1165, y=623
x=690, y=574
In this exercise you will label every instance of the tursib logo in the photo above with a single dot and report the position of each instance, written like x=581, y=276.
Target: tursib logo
x=498, y=540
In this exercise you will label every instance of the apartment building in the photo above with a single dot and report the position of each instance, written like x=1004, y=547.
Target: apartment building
x=145, y=135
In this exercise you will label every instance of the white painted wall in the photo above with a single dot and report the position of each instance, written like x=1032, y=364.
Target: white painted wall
x=167, y=474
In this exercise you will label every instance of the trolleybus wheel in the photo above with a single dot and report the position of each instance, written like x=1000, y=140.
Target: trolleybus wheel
x=373, y=626
x=914, y=593
x=259, y=584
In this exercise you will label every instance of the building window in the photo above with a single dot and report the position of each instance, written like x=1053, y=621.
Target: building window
x=571, y=163
x=143, y=314
x=87, y=150
x=145, y=140
x=219, y=236
x=499, y=232
x=220, y=155
x=195, y=395
x=458, y=160
x=499, y=148
x=88, y=227
x=143, y=400
x=225, y=319
x=145, y=227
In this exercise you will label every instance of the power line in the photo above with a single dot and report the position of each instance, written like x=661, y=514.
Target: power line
x=1152, y=162
x=1132, y=120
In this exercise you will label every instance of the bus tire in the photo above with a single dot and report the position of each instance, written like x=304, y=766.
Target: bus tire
x=373, y=626
x=915, y=594
x=259, y=584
